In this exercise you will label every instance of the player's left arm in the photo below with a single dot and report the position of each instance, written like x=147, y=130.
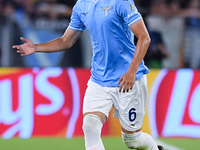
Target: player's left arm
x=140, y=31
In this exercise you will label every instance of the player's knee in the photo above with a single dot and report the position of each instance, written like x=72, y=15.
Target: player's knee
x=91, y=124
x=131, y=140
x=87, y=125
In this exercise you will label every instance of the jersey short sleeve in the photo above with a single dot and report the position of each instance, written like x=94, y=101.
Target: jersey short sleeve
x=76, y=23
x=128, y=12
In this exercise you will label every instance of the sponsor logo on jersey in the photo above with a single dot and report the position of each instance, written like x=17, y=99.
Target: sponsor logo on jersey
x=106, y=9
x=85, y=13
x=130, y=15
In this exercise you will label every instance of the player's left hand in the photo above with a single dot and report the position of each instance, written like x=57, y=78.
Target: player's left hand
x=127, y=81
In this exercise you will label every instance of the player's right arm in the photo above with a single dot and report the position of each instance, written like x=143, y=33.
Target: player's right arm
x=63, y=43
x=73, y=32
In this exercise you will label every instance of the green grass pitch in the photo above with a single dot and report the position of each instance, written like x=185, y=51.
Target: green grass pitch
x=78, y=144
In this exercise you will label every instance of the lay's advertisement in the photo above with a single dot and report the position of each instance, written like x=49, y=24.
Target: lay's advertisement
x=47, y=102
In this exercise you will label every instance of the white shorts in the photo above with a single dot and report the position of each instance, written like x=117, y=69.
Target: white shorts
x=129, y=107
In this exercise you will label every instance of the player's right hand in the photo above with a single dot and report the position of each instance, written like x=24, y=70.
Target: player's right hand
x=25, y=49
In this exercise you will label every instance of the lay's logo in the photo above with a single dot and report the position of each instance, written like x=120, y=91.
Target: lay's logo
x=42, y=102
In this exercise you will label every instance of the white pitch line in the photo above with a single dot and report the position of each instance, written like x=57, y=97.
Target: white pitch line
x=167, y=146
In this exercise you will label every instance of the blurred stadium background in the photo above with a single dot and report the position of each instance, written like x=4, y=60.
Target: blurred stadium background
x=41, y=95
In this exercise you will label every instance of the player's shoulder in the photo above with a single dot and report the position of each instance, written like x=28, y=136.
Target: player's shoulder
x=83, y=1
x=80, y=4
x=126, y=5
x=124, y=2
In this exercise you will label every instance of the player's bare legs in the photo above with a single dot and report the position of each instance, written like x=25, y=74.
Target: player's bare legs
x=130, y=132
x=138, y=140
x=92, y=125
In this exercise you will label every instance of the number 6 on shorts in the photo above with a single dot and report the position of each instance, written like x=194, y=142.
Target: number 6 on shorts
x=132, y=114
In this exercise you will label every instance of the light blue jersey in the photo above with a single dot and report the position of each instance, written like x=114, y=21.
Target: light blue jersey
x=108, y=23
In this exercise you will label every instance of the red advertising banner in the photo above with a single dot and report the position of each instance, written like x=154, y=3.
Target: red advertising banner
x=174, y=104
x=42, y=102
x=39, y=102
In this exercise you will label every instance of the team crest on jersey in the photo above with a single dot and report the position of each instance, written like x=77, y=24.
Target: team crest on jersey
x=132, y=7
x=106, y=9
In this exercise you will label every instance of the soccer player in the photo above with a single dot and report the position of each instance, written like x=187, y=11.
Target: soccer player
x=118, y=72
